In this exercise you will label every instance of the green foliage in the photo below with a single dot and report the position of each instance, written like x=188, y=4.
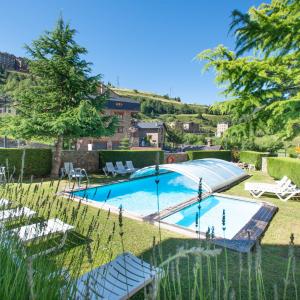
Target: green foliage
x=285, y=166
x=140, y=158
x=124, y=144
x=37, y=162
x=253, y=158
x=175, y=137
x=193, y=139
x=221, y=154
x=61, y=99
x=263, y=88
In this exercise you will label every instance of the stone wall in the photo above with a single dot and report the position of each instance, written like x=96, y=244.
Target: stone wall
x=88, y=160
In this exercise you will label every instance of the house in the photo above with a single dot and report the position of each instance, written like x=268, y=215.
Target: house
x=12, y=62
x=6, y=107
x=176, y=125
x=148, y=134
x=124, y=109
x=190, y=127
x=221, y=128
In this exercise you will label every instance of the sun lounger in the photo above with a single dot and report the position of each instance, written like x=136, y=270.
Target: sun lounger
x=121, y=168
x=4, y=202
x=283, y=190
x=15, y=213
x=110, y=169
x=119, y=279
x=129, y=166
x=40, y=230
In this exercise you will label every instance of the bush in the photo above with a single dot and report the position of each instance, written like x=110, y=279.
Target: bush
x=284, y=166
x=253, y=158
x=221, y=154
x=37, y=162
x=140, y=158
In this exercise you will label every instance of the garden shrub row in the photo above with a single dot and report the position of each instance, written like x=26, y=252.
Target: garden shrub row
x=140, y=158
x=253, y=158
x=37, y=162
x=221, y=154
x=284, y=166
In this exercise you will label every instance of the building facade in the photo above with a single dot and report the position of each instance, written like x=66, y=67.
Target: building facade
x=191, y=127
x=221, y=128
x=125, y=110
x=148, y=134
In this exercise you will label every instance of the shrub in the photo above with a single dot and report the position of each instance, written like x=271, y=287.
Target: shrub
x=140, y=158
x=253, y=158
x=37, y=162
x=221, y=154
x=284, y=166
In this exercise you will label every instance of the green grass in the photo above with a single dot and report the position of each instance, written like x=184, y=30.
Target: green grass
x=139, y=238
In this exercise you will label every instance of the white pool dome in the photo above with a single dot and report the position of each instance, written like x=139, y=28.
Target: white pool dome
x=215, y=173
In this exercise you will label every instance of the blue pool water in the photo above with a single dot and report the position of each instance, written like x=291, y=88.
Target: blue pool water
x=237, y=214
x=139, y=196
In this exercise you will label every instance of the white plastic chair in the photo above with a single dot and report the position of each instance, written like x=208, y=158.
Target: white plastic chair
x=74, y=173
x=129, y=165
x=121, y=168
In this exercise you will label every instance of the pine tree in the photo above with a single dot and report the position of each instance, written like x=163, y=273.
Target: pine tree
x=62, y=101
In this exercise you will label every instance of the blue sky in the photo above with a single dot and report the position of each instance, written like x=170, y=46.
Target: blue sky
x=142, y=44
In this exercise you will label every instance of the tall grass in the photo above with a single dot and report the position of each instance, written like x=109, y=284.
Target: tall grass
x=200, y=271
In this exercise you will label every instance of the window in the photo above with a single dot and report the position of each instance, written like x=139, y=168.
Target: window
x=120, y=129
x=119, y=115
x=119, y=104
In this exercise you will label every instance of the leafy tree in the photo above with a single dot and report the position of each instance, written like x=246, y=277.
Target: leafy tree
x=175, y=137
x=264, y=88
x=61, y=101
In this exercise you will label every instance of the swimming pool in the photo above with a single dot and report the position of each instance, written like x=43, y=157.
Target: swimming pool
x=237, y=214
x=139, y=196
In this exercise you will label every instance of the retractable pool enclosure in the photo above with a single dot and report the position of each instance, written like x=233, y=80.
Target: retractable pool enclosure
x=215, y=173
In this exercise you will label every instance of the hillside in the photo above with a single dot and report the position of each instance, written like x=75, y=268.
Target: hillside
x=156, y=107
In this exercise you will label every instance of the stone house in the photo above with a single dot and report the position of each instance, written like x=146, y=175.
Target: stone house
x=191, y=127
x=124, y=109
x=148, y=134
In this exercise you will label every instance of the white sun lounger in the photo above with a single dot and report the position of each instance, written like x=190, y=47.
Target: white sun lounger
x=121, y=168
x=4, y=202
x=109, y=168
x=129, y=166
x=40, y=230
x=119, y=279
x=257, y=186
x=283, y=191
x=15, y=213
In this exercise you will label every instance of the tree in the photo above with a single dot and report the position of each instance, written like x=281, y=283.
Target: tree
x=62, y=101
x=124, y=144
x=264, y=88
x=175, y=137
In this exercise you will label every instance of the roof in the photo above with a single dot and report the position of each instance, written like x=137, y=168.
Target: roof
x=123, y=103
x=203, y=147
x=215, y=173
x=150, y=125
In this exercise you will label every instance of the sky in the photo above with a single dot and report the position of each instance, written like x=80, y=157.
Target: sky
x=147, y=45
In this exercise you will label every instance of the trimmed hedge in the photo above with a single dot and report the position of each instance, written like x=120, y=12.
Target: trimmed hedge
x=284, y=166
x=37, y=162
x=253, y=158
x=221, y=154
x=140, y=158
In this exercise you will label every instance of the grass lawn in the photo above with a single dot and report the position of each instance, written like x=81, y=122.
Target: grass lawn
x=139, y=237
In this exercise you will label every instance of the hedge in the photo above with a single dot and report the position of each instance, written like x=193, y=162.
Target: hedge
x=284, y=166
x=37, y=162
x=140, y=158
x=253, y=158
x=221, y=154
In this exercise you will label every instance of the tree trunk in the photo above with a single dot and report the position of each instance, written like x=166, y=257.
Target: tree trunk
x=57, y=157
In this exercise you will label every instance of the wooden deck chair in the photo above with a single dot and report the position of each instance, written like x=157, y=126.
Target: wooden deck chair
x=119, y=279
x=29, y=233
